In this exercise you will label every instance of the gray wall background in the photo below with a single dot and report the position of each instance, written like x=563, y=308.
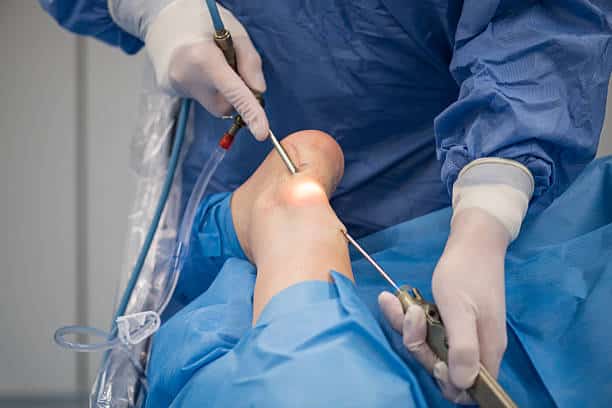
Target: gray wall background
x=68, y=109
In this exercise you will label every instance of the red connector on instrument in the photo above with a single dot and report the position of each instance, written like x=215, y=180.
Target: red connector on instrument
x=228, y=138
x=226, y=141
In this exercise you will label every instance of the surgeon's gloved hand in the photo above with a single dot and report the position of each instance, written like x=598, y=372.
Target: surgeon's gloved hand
x=490, y=199
x=179, y=40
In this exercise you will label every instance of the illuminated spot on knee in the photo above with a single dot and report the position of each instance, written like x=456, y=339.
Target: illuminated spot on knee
x=304, y=192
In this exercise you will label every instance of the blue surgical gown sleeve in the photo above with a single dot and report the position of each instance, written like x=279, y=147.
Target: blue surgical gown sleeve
x=91, y=18
x=533, y=80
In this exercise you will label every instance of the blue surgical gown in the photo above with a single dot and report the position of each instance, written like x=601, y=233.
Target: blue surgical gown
x=320, y=344
x=412, y=91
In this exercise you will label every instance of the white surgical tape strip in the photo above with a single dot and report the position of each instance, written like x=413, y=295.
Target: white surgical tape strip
x=500, y=187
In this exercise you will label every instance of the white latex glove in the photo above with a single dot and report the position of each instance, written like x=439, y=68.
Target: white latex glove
x=490, y=200
x=179, y=40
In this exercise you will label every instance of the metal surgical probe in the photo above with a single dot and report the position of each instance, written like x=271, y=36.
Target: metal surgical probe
x=486, y=391
x=370, y=260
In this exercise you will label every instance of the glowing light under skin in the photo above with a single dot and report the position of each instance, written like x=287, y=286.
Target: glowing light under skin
x=307, y=190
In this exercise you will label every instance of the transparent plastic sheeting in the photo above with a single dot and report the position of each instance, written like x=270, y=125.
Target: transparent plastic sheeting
x=121, y=374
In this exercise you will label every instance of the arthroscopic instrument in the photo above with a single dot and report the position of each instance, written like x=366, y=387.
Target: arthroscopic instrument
x=486, y=391
x=223, y=39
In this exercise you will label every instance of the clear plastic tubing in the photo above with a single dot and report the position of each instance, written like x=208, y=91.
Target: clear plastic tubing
x=184, y=232
x=111, y=339
x=197, y=193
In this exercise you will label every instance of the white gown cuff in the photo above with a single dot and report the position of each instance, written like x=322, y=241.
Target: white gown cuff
x=501, y=187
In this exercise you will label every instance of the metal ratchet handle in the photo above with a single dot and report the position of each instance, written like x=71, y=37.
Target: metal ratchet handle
x=486, y=391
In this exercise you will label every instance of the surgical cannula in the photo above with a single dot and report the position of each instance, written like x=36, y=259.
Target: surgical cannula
x=283, y=153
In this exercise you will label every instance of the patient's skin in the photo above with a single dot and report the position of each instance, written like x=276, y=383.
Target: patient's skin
x=284, y=222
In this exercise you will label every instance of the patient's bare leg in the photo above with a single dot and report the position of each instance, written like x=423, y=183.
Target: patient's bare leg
x=284, y=222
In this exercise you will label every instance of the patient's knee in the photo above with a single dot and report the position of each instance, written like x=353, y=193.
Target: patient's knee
x=304, y=195
x=284, y=222
x=272, y=191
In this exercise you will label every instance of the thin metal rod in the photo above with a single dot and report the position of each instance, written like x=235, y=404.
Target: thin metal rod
x=370, y=260
x=283, y=153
